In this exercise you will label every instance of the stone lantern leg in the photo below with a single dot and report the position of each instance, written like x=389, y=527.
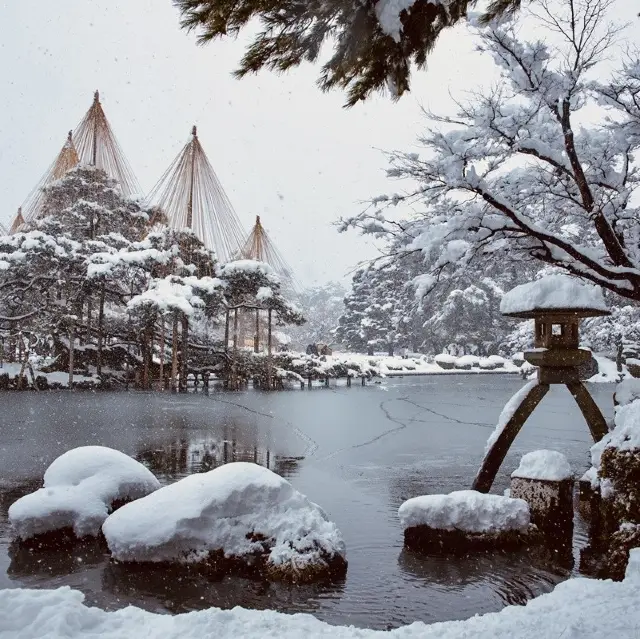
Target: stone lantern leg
x=556, y=303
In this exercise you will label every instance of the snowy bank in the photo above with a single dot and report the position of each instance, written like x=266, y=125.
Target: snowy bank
x=239, y=514
x=553, y=292
x=81, y=488
x=575, y=609
x=463, y=521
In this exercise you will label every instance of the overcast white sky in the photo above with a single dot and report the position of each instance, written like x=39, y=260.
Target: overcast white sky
x=281, y=148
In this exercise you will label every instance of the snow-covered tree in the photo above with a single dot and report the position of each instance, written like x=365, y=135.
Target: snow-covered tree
x=322, y=306
x=543, y=167
x=375, y=42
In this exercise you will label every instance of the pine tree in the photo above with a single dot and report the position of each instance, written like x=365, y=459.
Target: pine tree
x=375, y=42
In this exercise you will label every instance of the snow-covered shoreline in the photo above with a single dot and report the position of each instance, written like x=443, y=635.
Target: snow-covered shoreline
x=575, y=609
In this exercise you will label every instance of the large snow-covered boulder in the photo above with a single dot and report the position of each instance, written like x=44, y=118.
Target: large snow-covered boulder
x=464, y=520
x=237, y=515
x=81, y=488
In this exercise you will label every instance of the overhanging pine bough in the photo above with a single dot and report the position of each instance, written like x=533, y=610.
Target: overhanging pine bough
x=371, y=51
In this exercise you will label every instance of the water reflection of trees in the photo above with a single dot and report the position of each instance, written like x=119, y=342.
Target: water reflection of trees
x=27, y=562
x=181, y=590
x=192, y=452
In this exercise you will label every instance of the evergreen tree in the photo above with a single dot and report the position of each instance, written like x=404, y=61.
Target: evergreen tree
x=322, y=306
x=375, y=42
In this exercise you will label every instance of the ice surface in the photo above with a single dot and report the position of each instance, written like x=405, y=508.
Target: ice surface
x=553, y=291
x=224, y=509
x=548, y=465
x=466, y=510
x=79, y=489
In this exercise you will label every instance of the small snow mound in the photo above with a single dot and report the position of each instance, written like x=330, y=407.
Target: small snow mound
x=80, y=488
x=466, y=510
x=241, y=509
x=467, y=361
x=553, y=291
x=549, y=465
x=627, y=391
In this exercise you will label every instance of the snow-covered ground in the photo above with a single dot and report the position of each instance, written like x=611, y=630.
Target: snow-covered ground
x=79, y=490
x=576, y=609
x=467, y=511
x=241, y=509
x=390, y=366
x=56, y=379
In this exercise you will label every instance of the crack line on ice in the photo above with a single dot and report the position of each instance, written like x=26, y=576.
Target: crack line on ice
x=312, y=445
x=402, y=425
x=434, y=412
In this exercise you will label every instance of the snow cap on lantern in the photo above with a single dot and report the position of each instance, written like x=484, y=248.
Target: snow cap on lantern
x=557, y=303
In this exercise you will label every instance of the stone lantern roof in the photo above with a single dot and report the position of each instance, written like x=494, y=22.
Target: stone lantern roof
x=554, y=296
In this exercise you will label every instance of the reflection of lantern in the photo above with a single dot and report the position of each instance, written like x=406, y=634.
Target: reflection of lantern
x=556, y=354
x=556, y=340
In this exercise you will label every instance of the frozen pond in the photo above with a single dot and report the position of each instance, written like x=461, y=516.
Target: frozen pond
x=358, y=452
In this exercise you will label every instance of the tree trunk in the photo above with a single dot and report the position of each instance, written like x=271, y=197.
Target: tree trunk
x=100, y=329
x=146, y=356
x=256, y=339
x=235, y=330
x=174, y=354
x=226, y=331
x=89, y=317
x=184, y=353
x=162, y=345
x=71, y=344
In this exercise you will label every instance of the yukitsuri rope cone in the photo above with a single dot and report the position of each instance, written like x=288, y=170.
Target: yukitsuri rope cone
x=259, y=246
x=92, y=143
x=191, y=196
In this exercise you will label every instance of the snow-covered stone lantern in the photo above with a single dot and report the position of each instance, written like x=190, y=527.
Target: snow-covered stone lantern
x=556, y=303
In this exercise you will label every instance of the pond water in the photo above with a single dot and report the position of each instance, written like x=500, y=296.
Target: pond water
x=358, y=452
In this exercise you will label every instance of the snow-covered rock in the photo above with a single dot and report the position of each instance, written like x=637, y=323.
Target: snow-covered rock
x=553, y=291
x=81, y=488
x=548, y=465
x=466, y=511
x=236, y=512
